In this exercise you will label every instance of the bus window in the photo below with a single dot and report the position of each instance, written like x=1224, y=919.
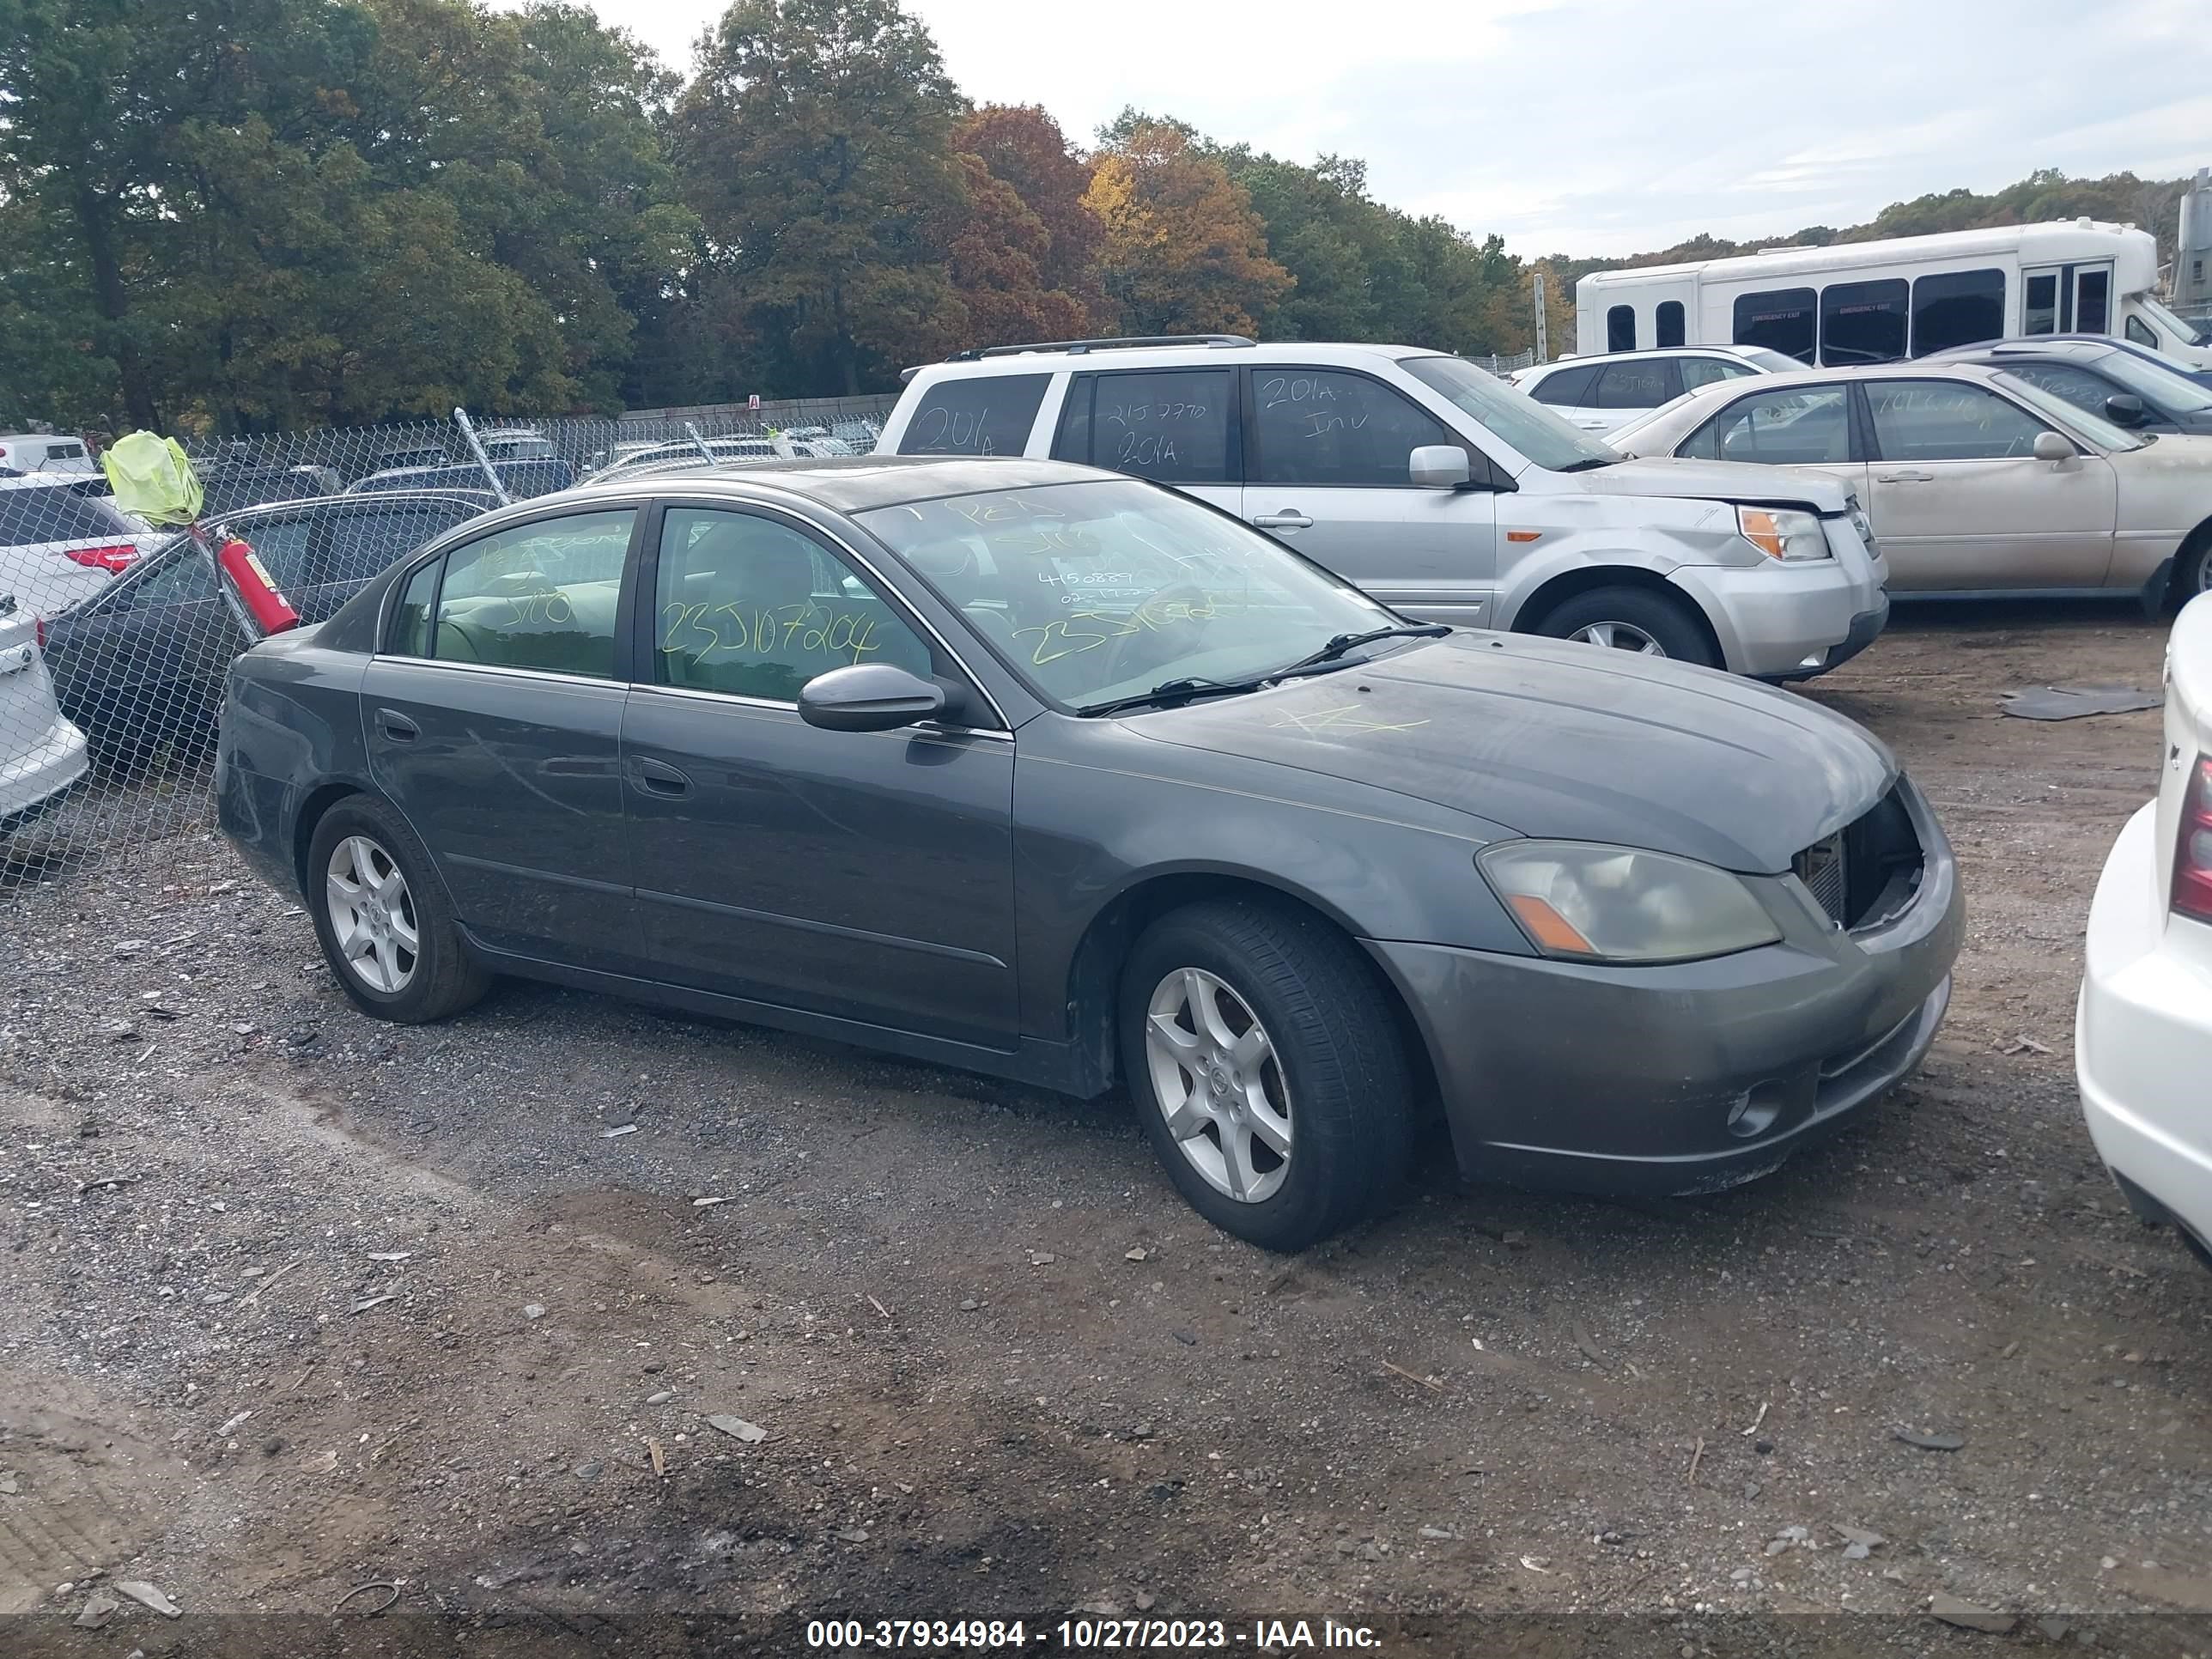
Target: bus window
x=1862, y=322
x=1782, y=319
x=2092, y=297
x=1668, y=323
x=1956, y=308
x=2038, y=313
x=1620, y=329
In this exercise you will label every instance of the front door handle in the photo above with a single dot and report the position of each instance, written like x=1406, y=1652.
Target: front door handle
x=397, y=726
x=660, y=778
x=1910, y=475
x=1289, y=518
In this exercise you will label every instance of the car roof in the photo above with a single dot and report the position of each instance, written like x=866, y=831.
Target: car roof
x=1910, y=367
x=843, y=483
x=1051, y=361
x=2072, y=347
x=1594, y=359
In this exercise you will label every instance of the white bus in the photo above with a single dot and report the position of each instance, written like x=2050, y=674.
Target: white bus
x=1873, y=302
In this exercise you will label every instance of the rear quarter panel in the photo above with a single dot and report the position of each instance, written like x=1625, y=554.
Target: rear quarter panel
x=291, y=725
x=2188, y=723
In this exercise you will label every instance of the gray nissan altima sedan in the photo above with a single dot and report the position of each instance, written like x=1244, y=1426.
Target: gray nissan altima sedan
x=1045, y=772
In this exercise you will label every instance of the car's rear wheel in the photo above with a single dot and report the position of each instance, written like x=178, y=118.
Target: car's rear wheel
x=1633, y=619
x=1265, y=1060
x=383, y=919
x=2193, y=575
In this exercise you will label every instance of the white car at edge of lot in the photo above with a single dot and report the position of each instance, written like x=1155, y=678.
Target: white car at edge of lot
x=42, y=755
x=1600, y=393
x=2142, y=1029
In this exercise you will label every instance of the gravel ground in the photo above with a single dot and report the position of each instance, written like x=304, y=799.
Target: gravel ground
x=295, y=1303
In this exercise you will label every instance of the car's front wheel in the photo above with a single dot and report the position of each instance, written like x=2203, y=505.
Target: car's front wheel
x=1635, y=619
x=1264, y=1058
x=383, y=919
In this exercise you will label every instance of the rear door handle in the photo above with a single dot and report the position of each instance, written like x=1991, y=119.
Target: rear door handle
x=397, y=726
x=1289, y=518
x=660, y=778
x=1907, y=477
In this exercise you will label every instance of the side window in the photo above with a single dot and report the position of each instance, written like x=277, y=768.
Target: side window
x=1956, y=308
x=1667, y=323
x=1620, y=329
x=182, y=577
x=1644, y=385
x=2038, y=305
x=1782, y=319
x=748, y=606
x=1323, y=427
x=2140, y=332
x=1567, y=388
x=1704, y=371
x=365, y=540
x=1948, y=420
x=1797, y=427
x=541, y=595
x=1172, y=426
x=281, y=544
x=2092, y=292
x=975, y=415
x=410, y=621
x=1864, y=322
x=2076, y=385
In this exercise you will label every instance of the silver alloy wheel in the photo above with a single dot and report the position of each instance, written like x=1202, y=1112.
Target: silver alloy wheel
x=1620, y=636
x=372, y=914
x=1218, y=1082
x=2204, y=571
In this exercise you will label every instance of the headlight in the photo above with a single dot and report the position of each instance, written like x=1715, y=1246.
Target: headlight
x=1780, y=533
x=1584, y=901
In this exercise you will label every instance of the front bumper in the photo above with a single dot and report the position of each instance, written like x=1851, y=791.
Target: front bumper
x=1626, y=1079
x=1866, y=629
x=2142, y=1037
x=1776, y=621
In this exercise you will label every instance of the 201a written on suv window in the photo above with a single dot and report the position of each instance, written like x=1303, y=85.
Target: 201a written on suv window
x=1170, y=425
x=539, y=595
x=751, y=607
x=1327, y=427
x=1097, y=591
x=975, y=415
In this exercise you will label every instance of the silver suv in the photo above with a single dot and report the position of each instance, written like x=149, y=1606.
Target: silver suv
x=1437, y=489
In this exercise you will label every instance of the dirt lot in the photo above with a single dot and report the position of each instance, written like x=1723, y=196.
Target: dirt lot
x=367, y=1303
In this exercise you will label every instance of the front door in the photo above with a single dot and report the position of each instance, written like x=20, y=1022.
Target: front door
x=868, y=876
x=1959, y=500
x=494, y=722
x=1327, y=474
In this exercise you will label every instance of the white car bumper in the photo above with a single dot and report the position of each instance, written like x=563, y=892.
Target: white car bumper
x=2142, y=1035
x=37, y=778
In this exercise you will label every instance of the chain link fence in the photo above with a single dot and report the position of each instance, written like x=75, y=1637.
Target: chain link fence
x=115, y=635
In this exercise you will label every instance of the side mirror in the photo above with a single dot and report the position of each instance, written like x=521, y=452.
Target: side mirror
x=1437, y=466
x=2125, y=409
x=869, y=696
x=2050, y=447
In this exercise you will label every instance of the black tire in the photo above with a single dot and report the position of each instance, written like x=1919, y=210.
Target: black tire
x=443, y=979
x=1667, y=623
x=1338, y=1054
x=2192, y=570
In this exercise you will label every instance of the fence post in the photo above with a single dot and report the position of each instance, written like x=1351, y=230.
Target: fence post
x=468, y=431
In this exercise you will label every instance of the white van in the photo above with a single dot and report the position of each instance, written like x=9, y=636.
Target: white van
x=1874, y=302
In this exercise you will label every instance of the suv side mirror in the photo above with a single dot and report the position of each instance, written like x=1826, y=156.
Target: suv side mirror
x=2125, y=409
x=1437, y=466
x=869, y=696
x=2050, y=447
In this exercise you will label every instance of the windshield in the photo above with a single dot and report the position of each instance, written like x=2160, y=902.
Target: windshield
x=2098, y=430
x=2190, y=333
x=1774, y=362
x=1515, y=418
x=58, y=514
x=2161, y=387
x=1091, y=591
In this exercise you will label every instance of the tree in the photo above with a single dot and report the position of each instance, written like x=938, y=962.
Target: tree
x=1022, y=147
x=815, y=145
x=1183, y=251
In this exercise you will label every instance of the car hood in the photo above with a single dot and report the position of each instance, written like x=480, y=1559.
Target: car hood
x=1560, y=741
x=1716, y=481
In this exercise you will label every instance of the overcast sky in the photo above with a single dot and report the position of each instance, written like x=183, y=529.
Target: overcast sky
x=1606, y=126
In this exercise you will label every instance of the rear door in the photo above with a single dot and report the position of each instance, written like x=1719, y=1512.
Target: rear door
x=1175, y=426
x=493, y=717
x=1327, y=456
x=1626, y=389
x=1960, y=502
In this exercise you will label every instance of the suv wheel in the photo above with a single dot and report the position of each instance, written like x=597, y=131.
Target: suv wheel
x=1633, y=619
x=1266, y=1062
x=382, y=917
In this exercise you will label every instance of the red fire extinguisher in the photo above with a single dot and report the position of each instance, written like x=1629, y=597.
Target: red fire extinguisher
x=251, y=592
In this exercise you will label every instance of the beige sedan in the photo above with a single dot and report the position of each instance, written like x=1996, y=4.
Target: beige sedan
x=1975, y=481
